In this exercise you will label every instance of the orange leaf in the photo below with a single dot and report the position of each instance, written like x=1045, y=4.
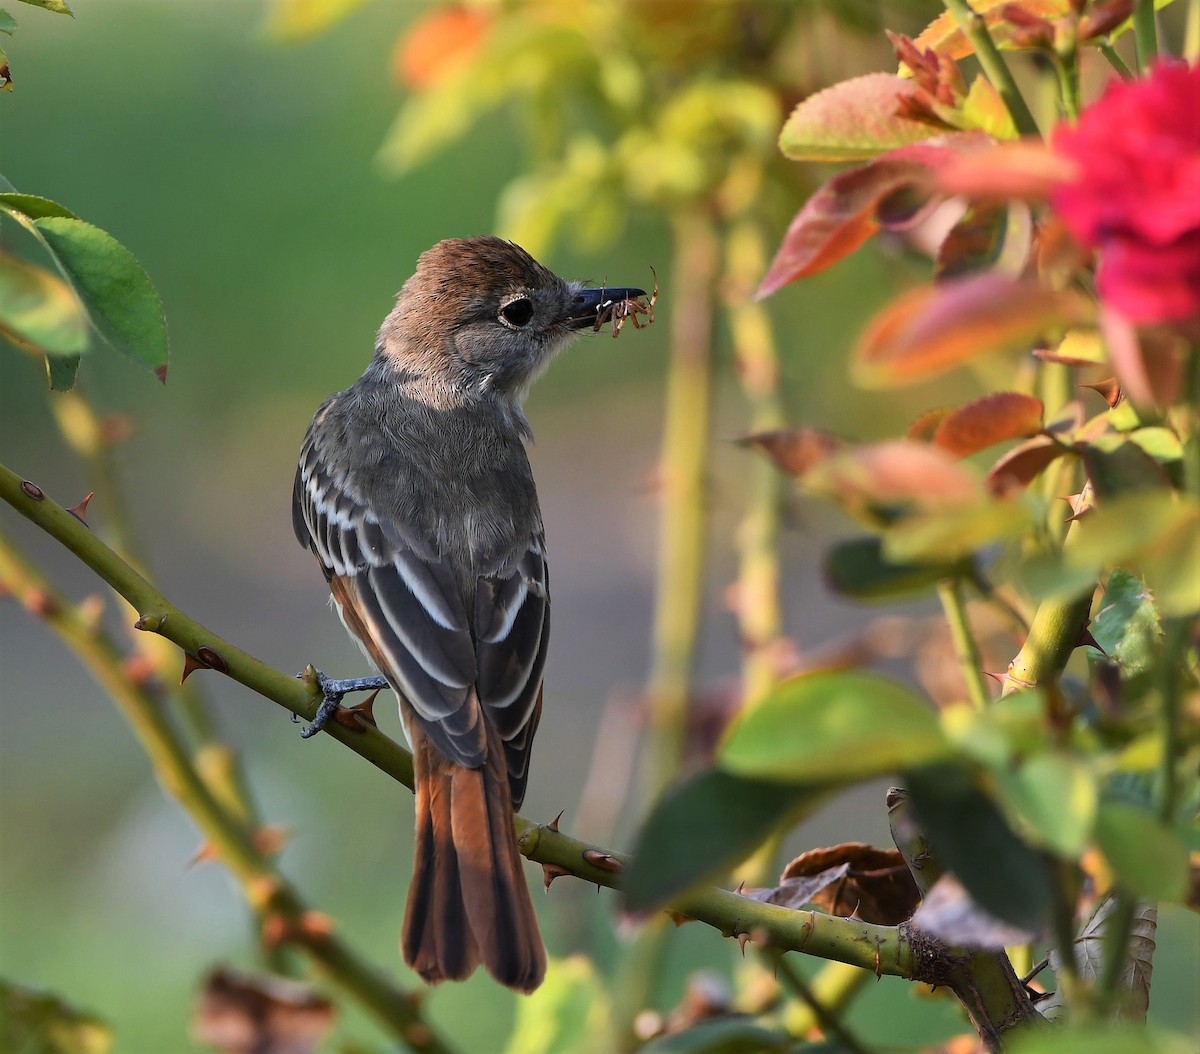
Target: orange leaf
x=931, y=329
x=944, y=36
x=438, y=42
x=988, y=421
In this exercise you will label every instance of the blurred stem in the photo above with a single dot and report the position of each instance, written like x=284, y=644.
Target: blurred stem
x=950, y=593
x=759, y=611
x=1145, y=33
x=833, y=986
x=283, y=915
x=1066, y=62
x=758, y=605
x=1115, y=60
x=1062, y=922
x=679, y=589
x=825, y=1017
x=1178, y=641
x=1191, y=33
x=683, y=471
x=994, y=67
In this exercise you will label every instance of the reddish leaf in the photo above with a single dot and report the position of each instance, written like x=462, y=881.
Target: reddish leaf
x=923, y=427
x=891, y=191
x=854, y=120
x=931, y=329
x=987, y=421
x=894, y=473
x=1021, y=465
x=1020, y=169
x=990, y=236
x=1148, y=365
x=796, y=450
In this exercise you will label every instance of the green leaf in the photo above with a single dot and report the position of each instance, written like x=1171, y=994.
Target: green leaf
x=705, y=825
x=7, y=22
x=1129, y=629
x=1117, y=466
x=970, y=837
x=733, y=1035
x=833, y=727
x=119, y=298
x=857, y=568
x=956, y=532
x=60, y=372
x=1144, y=854
x=1097, y=1039
x=31, y=205
x=853, y=121
x=39, y=309
x=41, y=1023
x=568, y=1014
x=1054, y=797
x=59, y=7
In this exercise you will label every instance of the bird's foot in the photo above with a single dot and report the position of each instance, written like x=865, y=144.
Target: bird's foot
x=332, y=692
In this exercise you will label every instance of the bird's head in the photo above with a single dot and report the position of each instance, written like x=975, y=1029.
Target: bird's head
x=483, y=312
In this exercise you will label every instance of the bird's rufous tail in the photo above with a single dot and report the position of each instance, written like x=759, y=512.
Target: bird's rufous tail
x=469, y=902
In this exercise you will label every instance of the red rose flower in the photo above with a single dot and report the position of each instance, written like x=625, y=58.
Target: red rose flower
x=1136, y=196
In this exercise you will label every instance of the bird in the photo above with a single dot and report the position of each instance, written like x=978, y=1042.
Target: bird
x=415, y=493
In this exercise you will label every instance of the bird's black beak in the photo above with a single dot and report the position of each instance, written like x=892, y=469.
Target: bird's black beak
x=587, y=305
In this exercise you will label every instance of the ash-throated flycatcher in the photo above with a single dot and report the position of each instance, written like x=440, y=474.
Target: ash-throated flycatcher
x=415, y=493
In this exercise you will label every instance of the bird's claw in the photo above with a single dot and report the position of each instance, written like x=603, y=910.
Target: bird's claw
x=332, y=692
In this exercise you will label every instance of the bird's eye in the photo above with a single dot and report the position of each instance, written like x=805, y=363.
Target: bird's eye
x=518, y=312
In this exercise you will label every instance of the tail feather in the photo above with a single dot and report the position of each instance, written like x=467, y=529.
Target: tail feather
x=469, y=901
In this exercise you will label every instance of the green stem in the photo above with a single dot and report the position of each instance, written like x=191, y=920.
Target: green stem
x=826, y=1019
x=1178, y=641
x=273, y=899
x=965, y=647
x=1066, y=63
x=1115, y=61
x=1145, y=33
x=996, y=69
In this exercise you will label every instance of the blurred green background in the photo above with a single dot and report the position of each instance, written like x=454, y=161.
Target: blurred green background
x=242, y=173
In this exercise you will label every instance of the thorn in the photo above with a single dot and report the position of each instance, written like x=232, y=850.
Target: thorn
x=274, y=931
x=679, y=918
x=212, y=659
x=357, y=717
x=1086, y=640
x=91, y=610
x=552, y=871
x=140, y=670
x=205, y=854
x=739, y=887
x=40, y=603
x=270, y=840
x=997, y=677
x=1108, y=389
x=161, y=373
x=743, y=939
x=80, y=511
x=32, y=490
x=553, y=824
x=190, y=665
x=314, y=924
x=603, y=861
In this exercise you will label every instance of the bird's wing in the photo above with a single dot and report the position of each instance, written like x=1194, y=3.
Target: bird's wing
x=454, y=669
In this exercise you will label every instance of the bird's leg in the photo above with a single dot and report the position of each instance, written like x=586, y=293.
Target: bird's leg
x=332, y=692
